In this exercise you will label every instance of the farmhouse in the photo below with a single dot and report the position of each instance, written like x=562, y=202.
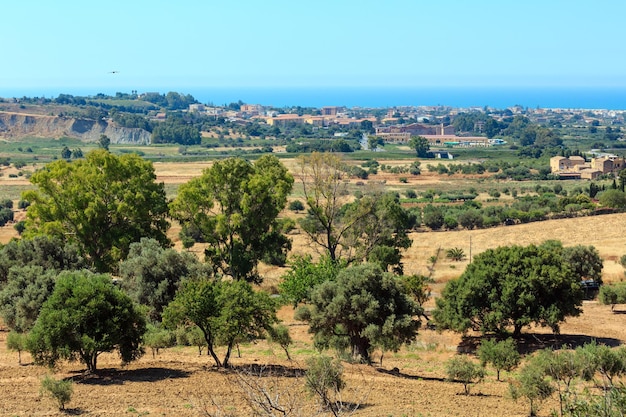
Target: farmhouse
x=577, y=167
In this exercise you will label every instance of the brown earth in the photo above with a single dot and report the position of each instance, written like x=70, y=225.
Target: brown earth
x=178, y=382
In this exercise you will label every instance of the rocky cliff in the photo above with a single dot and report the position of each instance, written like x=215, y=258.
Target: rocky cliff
x=14, y=126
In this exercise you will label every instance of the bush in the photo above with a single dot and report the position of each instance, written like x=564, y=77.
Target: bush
x=296, y=205
x=502, y=355
x=324, y=380
x=613, y=294
x=60, y=390
x=17, y=341
x=462, y=369
x=412, y=194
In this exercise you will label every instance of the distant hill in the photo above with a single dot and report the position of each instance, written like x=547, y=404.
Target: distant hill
x=17, y=125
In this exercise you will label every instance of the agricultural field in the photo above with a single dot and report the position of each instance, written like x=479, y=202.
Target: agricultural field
x=411, y=382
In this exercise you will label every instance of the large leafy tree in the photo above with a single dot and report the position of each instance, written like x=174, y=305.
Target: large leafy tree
x=225, y=311
x=363, y=308
x=379, y=230
x=511, y=286
x=102, y=203
x=85, y=316
x=152, y=274
x=421, y=146
x=234, y=206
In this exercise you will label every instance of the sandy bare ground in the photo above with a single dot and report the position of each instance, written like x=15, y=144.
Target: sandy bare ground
x=178, y=382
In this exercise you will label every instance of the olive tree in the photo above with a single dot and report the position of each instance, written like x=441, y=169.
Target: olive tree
x=225, y=311
x=151, y=274
x=86, y=315
x=363, y=308
x=511, y=286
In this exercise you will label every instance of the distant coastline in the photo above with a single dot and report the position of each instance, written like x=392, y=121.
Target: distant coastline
x=372, y=97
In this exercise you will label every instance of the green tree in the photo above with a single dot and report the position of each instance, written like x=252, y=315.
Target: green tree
x=379, y=230
x=585, y=262
x=102, y=203
x=433, y=217
x=27, y=288
x=304, y=275
x=59, y=390
x=85, y=316
x=455, y=254
x=511, y=286
x=464, y=370
x=234, y=205
x=363, y=308
x=613, y=294
x=18, y=342
x=225, y=311
x=613, y=198
x=471, y=219
x=151, y=274
x=532, y=383
x=279, y=334
x=104, y=142
x=296, y=205
x=502, y=355
x=157, y=338
x=421, y=146
x=66, y=153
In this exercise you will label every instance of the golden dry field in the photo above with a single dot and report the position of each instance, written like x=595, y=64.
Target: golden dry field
x=179, y=382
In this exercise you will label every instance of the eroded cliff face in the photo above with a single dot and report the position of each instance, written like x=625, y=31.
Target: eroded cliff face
x=14, y=126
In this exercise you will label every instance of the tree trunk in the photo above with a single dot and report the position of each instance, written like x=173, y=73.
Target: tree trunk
x=226, y=362
x=360, y=349
x=209, y=342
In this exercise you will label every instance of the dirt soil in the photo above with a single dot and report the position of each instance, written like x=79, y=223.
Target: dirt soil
x=411, y=382
x=178, y=382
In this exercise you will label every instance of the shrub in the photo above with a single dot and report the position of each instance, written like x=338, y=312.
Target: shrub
x=413, y=194
x=613, y=294
x=455, y=254
x=60, y=390
x=17, y=341
x=296, y=205
x=502, y=355
x=324, y=380
x=280, y=334
x=462, y=369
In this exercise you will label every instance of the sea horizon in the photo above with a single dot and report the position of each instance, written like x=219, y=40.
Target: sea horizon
x=608, y=98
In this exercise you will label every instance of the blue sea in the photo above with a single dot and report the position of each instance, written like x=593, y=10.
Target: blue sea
x=372, y=97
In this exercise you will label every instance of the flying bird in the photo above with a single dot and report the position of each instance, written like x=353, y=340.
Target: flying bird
x=113, y=72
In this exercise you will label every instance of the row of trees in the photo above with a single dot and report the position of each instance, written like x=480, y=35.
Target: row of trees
x=109, y=214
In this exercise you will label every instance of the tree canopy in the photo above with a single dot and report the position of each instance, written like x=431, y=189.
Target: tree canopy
x=85, y=316
x=421, y=146
x=151, y=274
x=362, y=309
x=225, y=311
x=102, y=203
x=511, y=286
x=372, y=228
x=234, y=206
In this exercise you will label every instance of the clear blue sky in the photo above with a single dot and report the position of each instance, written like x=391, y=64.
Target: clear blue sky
x=311, y=43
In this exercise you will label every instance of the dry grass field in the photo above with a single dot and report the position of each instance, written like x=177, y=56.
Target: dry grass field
x=179, y=382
